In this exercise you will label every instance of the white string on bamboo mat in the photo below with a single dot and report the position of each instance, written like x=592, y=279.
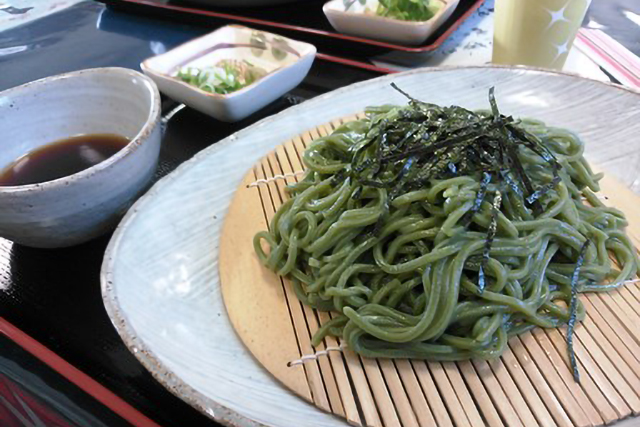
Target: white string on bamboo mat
x=315, y=355
x=274, y=178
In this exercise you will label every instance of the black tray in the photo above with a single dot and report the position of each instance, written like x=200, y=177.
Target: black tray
x=304, y=20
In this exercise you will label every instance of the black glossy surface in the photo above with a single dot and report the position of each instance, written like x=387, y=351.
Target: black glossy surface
x=84, y=36
x=305, y=14
x=54, y=295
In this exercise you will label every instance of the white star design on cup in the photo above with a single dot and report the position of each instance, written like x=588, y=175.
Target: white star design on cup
x=561, y=49
x=557, y=16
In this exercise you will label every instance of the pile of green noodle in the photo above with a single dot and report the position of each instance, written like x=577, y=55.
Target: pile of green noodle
x=437, y=233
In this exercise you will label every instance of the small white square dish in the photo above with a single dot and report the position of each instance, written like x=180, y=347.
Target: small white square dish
x=284, y=62
x=361, y=20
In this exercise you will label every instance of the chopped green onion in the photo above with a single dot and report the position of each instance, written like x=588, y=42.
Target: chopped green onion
x=225, y=77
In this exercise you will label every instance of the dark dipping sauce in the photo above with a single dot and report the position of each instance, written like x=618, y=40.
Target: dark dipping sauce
x=62, y=158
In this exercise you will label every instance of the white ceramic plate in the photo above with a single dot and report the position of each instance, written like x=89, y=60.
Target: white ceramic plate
x=286, y=62
x=160, y=278
x=357, y=23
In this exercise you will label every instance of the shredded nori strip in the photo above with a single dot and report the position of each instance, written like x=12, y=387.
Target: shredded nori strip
x=506, y=175
x=573, y=307
x=493, y=103
x=477, y=203
x=543, y=190
x=486, y=179
x=411, y=98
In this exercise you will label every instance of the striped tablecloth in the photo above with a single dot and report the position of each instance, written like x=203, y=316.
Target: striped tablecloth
x=616, y=59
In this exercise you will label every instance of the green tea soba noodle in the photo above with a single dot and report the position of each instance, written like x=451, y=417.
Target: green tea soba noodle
x=438, y=232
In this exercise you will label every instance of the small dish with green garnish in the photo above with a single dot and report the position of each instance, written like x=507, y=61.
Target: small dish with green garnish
x=231, y=72
x=408, y=22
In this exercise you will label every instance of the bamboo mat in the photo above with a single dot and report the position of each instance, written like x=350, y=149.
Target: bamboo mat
x=531, y=384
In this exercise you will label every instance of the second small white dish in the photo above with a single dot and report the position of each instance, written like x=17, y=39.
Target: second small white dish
x=286, y=62
x=357, y=23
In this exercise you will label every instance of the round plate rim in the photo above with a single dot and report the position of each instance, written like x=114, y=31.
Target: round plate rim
x=136, y=346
